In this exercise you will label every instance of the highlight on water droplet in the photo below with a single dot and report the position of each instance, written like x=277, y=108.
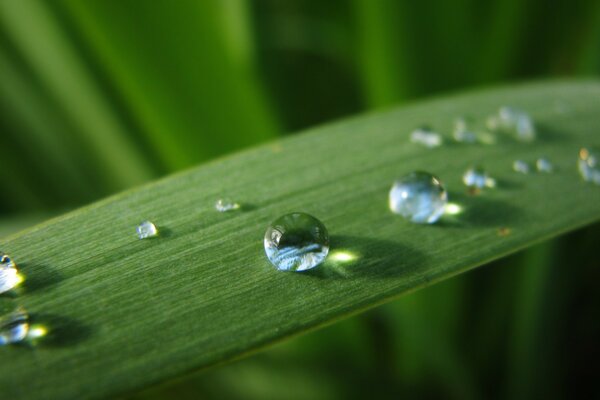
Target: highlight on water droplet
x=14, y=327
x=453, y=209
x=477, y=177
x=419, y=197
x=224, y=205
x=462, y=133
x=544, y=165
x=514, y=121
x=521, y=167
x=426, y=137
x=589, y=165
x=147, y=229
x=9, y=274
x=296, y=242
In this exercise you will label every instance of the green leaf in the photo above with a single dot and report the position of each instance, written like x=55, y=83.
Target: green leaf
x=124, y=314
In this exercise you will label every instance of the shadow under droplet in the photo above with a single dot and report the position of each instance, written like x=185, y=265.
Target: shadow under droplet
x=61, y=331
x=359, y=257
x=480, y=211
x=39, y=277
x=547, y=134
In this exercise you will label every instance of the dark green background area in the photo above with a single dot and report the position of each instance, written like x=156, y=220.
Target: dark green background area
x=100, y=96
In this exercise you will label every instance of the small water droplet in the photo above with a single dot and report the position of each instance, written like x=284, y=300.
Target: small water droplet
x=477, y=177
x=9, y=274
x=504, y=231
x=296, y=242
x=521, y=167
x=462, y=133
x=146, y=230
x=224, y=205
x=589, y=165
x=544, y=165
x=514, y=121
x=426, y=137
x=419, y=197
x=14, y=327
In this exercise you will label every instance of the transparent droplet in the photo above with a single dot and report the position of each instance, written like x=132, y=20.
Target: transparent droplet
x=544, y=165
x=147, y=230
x=296, y=242
x=521, y=167
x=477, y=177
x=9, y=274
x=14, y=327
x=462, y=133
x=589, y=165
x=426, y=137
x=514, y=121
x=224, y=205
x=419, y=197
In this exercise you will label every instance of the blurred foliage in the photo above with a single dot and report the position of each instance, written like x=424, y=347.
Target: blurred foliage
x=98, y=96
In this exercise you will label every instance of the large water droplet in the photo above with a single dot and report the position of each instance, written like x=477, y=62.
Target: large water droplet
x=477, y=177
x=521, y=167
x=419, y=197
x=9, y=274
x=147, y=230
x=224, y=205
x=589, y=165
x=296, y=242
x=14, y=327
x=426, y=137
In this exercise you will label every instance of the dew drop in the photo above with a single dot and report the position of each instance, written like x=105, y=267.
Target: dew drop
x=514, y=121
x=544, y=165
x=296, y=242
x=224, y=205
x=426, y=137
x=462, y=133
x=419, y=197
x=477, y=177
x=14, y=327
x=521, y=167
x=589, y=165
x=9, y=274
x=146, y=230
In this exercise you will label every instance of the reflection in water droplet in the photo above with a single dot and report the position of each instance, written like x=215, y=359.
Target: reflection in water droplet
x=544, y=165
x=147, y=230
x=419, y=197
x=589, y=165
x=296, y=242
x=426, y=137
x=9, y=274
x=521, y=167
x=477, y=177
x=224, y=205
x=14, y=327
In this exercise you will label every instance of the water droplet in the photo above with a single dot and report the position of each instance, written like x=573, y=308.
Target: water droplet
x=477, y=177
x=462, y=133
x=589, y=165
x=14, y=327
x=521, y=167
x=544, y=165
x=9, y=274
x=513, y=121
x=147, y=230
x=419, y=197
x=504, y=231
x=296, y=242
x=426, y=137
x=224, y=205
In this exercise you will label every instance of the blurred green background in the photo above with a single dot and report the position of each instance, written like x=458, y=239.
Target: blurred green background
x=99, y=96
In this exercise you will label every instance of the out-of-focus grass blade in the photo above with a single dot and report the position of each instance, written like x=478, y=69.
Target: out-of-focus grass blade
x=204, y=293
x=186, y=79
